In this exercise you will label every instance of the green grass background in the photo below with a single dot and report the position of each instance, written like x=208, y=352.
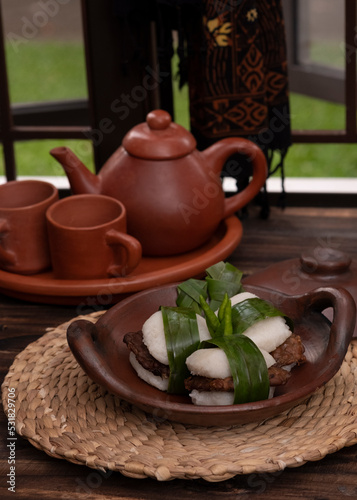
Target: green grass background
x=50, y=71
x=56, y=70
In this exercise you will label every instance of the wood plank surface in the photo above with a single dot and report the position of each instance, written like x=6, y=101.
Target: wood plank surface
x=284, y=235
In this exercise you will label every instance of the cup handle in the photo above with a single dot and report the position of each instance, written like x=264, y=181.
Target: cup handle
x=132, y=250
x=6, y=256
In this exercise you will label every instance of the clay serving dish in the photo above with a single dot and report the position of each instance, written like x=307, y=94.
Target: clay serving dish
x=101, y=352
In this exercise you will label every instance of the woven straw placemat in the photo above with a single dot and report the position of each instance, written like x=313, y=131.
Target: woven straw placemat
x=62, y=412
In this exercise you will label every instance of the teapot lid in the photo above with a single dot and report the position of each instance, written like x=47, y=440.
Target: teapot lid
x=159, y=138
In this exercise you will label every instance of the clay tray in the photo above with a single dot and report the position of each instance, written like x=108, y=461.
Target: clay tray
x=62, y=412
x=152, y=271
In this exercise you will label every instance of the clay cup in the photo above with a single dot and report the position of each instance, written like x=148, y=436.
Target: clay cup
x=23, y=234
x=88, y=238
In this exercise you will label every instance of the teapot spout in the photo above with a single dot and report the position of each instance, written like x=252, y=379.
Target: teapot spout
x=81, y=180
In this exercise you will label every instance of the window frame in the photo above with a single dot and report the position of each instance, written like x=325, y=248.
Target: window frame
x=52, y=119
x=338, y=86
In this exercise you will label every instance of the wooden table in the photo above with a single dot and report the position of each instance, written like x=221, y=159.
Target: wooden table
x=264, y=242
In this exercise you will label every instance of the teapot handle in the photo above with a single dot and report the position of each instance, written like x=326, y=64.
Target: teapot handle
x=219, y=152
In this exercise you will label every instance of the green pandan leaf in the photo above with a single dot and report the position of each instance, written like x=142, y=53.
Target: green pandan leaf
x=224, y=271
x=247, y=365
x=218, y=289
x=182, y=338
x=189, y=293
x=222, y=278
x=250, y=311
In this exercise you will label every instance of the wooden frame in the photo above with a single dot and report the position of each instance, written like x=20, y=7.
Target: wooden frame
x=106, y=83
x=304, y=78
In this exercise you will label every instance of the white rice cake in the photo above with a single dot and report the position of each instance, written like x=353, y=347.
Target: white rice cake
x=154, y=380
x=213, y=363
x=268, y=333
x=154, y=335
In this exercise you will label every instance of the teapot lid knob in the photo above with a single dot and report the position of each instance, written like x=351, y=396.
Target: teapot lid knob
x=159, y=138
x=158, y=119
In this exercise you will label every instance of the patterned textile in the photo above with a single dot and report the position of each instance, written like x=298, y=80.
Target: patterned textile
x=234, y=58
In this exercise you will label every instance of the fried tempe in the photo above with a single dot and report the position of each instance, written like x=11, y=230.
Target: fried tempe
x=277, y=376
x=135, y=343
x=290, y=352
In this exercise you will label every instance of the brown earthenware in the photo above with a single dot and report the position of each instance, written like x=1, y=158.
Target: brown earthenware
x=315, y=267
x=151, y=271
x=23, y=234
x=88, y=238
x=101, y=352
x=172, y=192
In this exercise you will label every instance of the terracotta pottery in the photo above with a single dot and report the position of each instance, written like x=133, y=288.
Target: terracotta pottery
x=23, y=234
x=151, y=271
x=172, y=192
x=100, y=350
x=88, y=239
x=318, y=266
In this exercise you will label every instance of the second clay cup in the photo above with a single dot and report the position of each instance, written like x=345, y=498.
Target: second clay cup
x=88, y=238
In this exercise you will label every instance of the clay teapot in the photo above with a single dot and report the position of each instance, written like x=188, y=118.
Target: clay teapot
x=172, y=192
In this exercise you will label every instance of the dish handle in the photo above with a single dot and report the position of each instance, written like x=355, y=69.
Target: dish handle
x=82, y=338
x=318, y=300
x=344, y=314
